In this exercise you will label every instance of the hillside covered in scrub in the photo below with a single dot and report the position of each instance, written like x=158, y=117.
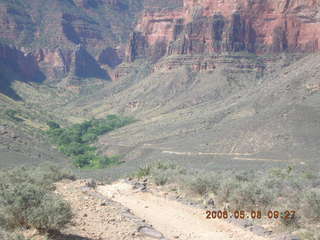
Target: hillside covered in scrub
x=213, y=103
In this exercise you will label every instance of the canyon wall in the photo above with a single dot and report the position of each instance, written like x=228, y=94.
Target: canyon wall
x=62, y=38
x=215, y=26
x=91, y=38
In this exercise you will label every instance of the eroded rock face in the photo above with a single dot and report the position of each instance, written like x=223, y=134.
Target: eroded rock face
x=214, y=26
x=16, y=64
x=79, y=30
x=13, y=21
x=54, y=62
x=110, y=56
x=50, y=31
x=85, y=66
x=21, y=62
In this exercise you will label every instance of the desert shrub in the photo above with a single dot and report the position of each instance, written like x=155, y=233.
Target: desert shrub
x=250, y=195
x=26, y=199
x=4, y=235
x=52, y=214
x=143, y=171
x=51, y=173
x=270, y=182
x=243, y=176
x=163, y=172
x=160, y=178
x=285, y=189
x=43, y=176
x=309, y=234
x=202, y=184
x=227, y=186
x=18, y=201
x=198, y=185
x=27, y=205
x=165, y=165
x=311, y=204
x=289, y=222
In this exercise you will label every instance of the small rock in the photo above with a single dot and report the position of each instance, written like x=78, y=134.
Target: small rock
x=261, y=231
x=136, y=185
x=244, y=223
x=150, y=232
x=287, y=237
x=211, y=202
x=85, y=215
x=126, y=210
x=91, y=183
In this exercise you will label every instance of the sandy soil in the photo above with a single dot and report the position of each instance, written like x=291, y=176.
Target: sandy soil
x=96, y=219
x=172, y=218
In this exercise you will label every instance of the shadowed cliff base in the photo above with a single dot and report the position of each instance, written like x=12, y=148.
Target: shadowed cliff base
x=16, y=65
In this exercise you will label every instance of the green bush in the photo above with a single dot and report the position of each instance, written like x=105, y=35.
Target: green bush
x=75, y=148
x=12, y=114
x=53, y=125
x=83, y=160
x=75, y=141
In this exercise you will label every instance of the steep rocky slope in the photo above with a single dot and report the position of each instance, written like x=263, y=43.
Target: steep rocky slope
x=230, y=117
x=238, y=80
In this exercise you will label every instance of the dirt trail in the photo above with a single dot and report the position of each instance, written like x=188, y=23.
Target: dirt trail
x=235, y=156
x=174, y=219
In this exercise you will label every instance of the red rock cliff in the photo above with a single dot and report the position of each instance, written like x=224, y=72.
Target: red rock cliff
x=213, y=26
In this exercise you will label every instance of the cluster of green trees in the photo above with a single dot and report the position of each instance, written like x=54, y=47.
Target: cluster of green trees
x=75, y=141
